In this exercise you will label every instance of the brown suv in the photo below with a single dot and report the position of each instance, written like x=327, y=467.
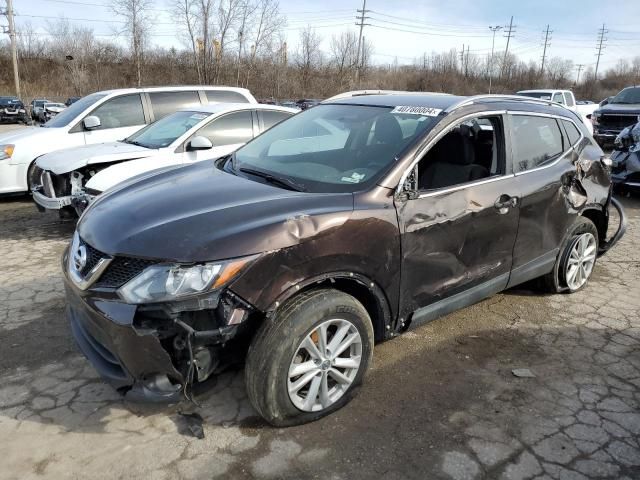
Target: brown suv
x=342, y=226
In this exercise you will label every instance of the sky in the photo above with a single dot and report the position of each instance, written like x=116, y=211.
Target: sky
x=402, y=30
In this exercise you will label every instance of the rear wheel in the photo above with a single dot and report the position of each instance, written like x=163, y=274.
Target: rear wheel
x=576, y=260
x=310, y=359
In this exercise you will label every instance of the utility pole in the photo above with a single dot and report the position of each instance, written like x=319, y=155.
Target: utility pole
x=579, y=66
x=14, y=53
x=362, y=18
x=466, y=63
x=601, y=40
x=462, y=59
x=493, y=45
x=544, y=52
x=510, y=32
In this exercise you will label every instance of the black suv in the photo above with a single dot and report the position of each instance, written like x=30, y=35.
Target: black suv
x=338, y=228
x=12, y=110
x=620, y=112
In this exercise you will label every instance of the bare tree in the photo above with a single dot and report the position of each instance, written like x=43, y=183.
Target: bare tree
x=186, y=13
x=309, y=56
x=229, y=12
x=343, y=53
x=137, y=19
x=267, y=24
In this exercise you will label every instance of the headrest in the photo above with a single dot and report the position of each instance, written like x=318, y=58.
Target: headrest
x=387, y=130
x=456, y=147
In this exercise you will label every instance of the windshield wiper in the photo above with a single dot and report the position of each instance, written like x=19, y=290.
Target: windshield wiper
x=137, y=144
x=283, y=182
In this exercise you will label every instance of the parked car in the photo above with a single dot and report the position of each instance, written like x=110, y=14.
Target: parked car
x=97, y=118
x=71, y=100
x=299, y=253
x=70, y=179
x=620, y=112
x=625, y=158
x=36, y=107
x=305, y=103
x=12, y=110
x=566, y=98
x=50, y=110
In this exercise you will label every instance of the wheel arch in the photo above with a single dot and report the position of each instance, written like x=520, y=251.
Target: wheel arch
x=358, y=286
x=600, y=218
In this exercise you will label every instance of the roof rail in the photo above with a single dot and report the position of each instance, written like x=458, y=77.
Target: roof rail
x=517, y=98
x=361, y=93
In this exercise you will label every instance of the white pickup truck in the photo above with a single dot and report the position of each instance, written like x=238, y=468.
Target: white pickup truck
x=566, y=98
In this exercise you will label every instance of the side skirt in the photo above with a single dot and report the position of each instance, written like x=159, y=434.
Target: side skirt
x=534, y=268
x=460, y=300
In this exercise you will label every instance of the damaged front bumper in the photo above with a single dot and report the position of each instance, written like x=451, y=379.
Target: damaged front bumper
x=620, y=231
x=132, y=361
x=79, y=201
x=155, y=353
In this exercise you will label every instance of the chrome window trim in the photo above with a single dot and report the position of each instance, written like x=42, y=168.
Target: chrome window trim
x=419, y=154
x=561, y=157
x=462, y=186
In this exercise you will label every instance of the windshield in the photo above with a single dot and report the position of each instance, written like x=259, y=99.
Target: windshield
x=335, y=148
x=167, y=130
x=628, y=95
x=541, y=95
x=69, y=114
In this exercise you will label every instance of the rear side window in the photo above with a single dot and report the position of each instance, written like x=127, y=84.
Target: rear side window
x=225, y=96
x=229, y=130
x=537, y=141
x=164, y=103
x=123, y=111
x=557, y=97
x=572, y=132
x=271, y=118
x=569, y=99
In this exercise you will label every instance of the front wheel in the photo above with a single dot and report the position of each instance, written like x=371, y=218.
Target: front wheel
x=309, y=360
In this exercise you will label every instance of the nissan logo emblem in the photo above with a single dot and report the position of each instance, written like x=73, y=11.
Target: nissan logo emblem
x=80, y=258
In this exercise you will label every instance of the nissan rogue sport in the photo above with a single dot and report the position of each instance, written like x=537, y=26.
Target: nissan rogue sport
x=340, y=227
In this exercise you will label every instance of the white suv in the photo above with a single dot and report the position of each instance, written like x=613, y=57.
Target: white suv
x=100, y=117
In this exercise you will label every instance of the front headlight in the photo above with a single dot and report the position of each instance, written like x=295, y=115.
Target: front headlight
x=22, y=110
x=6, y=151
x=162, y=283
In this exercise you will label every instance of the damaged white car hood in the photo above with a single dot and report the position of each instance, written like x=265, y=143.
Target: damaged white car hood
x=64, y=161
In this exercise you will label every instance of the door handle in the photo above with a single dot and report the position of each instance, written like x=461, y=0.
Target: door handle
x=505, y=202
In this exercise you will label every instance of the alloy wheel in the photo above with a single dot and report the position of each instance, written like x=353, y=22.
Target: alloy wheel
x=324, y=365
x=581, y=261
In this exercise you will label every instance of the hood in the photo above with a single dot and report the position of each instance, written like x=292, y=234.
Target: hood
x=620, y=108
x=29, y=135
x=115, y=174
x=55, y=109
x=69, y=159
x=198, y=213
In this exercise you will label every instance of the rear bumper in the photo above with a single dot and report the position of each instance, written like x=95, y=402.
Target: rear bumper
x=622, y=228
x=132, y=361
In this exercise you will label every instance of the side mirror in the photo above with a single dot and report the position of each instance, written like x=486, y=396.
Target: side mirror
x=199, y=143
x=91, y=122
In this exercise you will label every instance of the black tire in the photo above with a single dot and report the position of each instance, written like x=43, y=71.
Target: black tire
x=555, y=281
x=276, y=342
x=32, y=174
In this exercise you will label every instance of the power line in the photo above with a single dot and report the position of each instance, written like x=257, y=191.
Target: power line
x=601, y=40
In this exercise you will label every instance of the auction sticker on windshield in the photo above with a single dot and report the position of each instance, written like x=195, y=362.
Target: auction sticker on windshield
x=427, y=111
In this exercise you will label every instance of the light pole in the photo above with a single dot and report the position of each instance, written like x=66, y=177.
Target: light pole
x=493, y=44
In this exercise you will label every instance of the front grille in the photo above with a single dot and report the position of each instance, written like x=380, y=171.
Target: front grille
x=121, y=270
x=55, y=185
x=93, y=257
x=618, y=121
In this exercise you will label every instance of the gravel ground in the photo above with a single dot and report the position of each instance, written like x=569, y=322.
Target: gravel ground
x=441, y=401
